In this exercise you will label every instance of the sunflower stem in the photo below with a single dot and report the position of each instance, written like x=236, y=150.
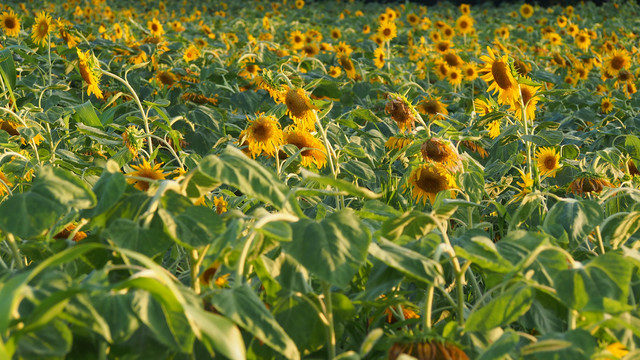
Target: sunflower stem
x=428, y=305
x=243, y=259
x=137, y=100
x=599, y=237
x=15, y=252
x=49, y=53
x=331, y=155
x=331, y=332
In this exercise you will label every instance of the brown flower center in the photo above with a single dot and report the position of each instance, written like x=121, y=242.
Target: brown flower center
x=296, y=104
x=452, y=59
x=617, y=62
x=9, y=23
x=431, y=181
x=550, y=162
x=262, y=131
x=43, y=28
x=500, y=74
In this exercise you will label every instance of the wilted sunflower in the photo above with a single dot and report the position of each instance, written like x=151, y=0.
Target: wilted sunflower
x=10, y=23
x=68, y=230
x=155, y=27
x=433, y=108
x=387, y=30
x=476, y=147
x=548, y=161
x=145, y=171
x=41, y=28
x=427, y=350
x=529, y=99
x=315, y=152
x=401, y=111
x=618, y=60
x=166, y=78
x=443, y=46
x=300, y=108
x=378, y=58
x=587, y=183
x=494, y=129
x=192, y=53
x=427, y=180
x=90, y=71
x=398, y=142
x=497, y=72
x=263, y=135
x=133, y=139
x=482, y=107
x=606, y=106
x=441, y=152
x=452, y=59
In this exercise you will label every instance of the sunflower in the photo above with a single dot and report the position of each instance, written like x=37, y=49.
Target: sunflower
x=606, y=105
x=300, y=108
x=334, y=71
x=343, y=49
x=454, y=76
x=263, y=135
x=145, y=171
x=366, y=29
x=476, y=147
x=64, y=34
x=299, y=4
x=336, y=34
x=192, y=53
x=387, y=30
x=469, y=71
x=548, y=161
x=347, y=65
x=250, y=71
x=526, y=10
x=5, y=184
x=426, y=350
x=618, y=60
x=68, y=230
x=297, y=40
x=155, y=27
x=310, y=50
x=90, y=71
x=587, y=183
x=378, y=58
x=221, y=205
x=428, y=180
x=41, y=28
x=413, y=19
x=166, y=78
x=10, y=23
x=497, y=71
x=133, y=139
x=314, y=151
x=443, y=153
x=401, y=111
x=494, y=129
x=561, y=21
x=464, y=24
x=442, y=69
x=433, y=108
x=447, y=32
x=582, y=40
x=529, y=99
x=482, y=107
x=452, y=59
x=465, y=9
x=398, y=142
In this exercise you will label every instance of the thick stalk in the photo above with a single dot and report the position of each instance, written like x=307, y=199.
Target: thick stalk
x=331, y=332
x=428, y=305
x=15, y=251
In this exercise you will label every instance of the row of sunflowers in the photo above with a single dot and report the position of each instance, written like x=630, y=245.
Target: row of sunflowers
x=291, y=179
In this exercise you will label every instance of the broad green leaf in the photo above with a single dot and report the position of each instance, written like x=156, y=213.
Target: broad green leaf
x=574, y=344
x=29, y=214
x=577, y=217
x=108, y=190
x=332, y=249
x=632, y=145
x=63, y=187
x=355, y=150
x=128, y=234
x=51, y=341
x=48, y=309
x=243, y=307
x=413, y=224
x=483, y=253
x=501, y=310
x=340, y=184
x=407, y=261
x=277, y=230
x=219, y=334
x=8, y=68
x=502, y=347
x=117, y=312
x=619, y=227
x=359, y=170
x=86, y=114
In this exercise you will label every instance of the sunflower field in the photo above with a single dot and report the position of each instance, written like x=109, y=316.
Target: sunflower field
x=321, y=180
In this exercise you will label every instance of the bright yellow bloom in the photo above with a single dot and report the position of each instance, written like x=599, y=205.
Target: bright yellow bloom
x=192, y=53
x=155, y=27
x=41, y=28
x=145, y=171
x=89, y=69
x=428, y=180
x=494, y=129
x=300, y=108
x=548, y=161
x=10, y=23
x=378, y=57
x=263, y=135
x=497, y=73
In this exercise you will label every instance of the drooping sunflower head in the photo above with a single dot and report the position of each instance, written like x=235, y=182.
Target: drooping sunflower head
x=41, y=28
x=427, y=180
x=10, y=23
x=263, y=135
x=300, y=108
x=401, y=111
x=588, y=183
x=166, y=78
x=313, y=151
x=548, y=161
x=145, y=170
x=498, y=72
x=442, y=152
x=90, y=72
x=133, y=139
x=5, y=184
x=398, y=142
x=378, y=57
x=529, y=99
x=433, y=108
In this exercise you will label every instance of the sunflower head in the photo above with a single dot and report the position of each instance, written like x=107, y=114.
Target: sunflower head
x=145, y=170
x=433, y=108
x=442, y=152
x=499, y=73
x=263, y=135
x=90, y=72
x=221, y=204
x=41, y=29
x=313, y=151
x=133, y=139
x=401, y=111
x=548, y=161
x=588, y=183
x=300, y=108
x=398, y=142
x=427, y=180
x=155, y=28
x=10, y=23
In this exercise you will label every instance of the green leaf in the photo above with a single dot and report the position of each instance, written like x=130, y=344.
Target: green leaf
x=619, y=227
x=48, y=309
x=8, y=68
x=355, y=150
x=333, y=249
x=501, y=310
x=574, y=344
x=413, y=224
x=632, y=145
x=86, y=114
x=577, y=217
x=243, y=307
x=370, y=341
x=63, y=187
x=359, y=170
x=407, y=261
x=502, y=347
x=52, y=341
x=483, y=253
x=218, y=333
x=277, y=230
x=29, y=214
x=128, y=234
x=341, y=185
x=108, y=190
